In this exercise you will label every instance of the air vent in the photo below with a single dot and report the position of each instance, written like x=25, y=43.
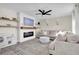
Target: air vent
x=73, y=12
x=9, y=42
x=1, y=39
x=77, y=5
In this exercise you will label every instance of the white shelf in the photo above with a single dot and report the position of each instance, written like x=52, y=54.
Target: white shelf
x=9, y=26
x=9, y=19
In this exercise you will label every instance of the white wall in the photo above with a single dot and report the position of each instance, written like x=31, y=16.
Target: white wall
x=76, y=19
x=6, y=30
x=73, y=24
x=60, y=23
x=7, y=13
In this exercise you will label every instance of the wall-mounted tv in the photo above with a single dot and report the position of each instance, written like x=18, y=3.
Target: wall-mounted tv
x=28, y=21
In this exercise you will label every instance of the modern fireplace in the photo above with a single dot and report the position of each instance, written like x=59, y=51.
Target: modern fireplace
x=26, y=27
x=28, y=34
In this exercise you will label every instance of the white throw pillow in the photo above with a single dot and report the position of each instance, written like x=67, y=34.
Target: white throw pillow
x=73, y=38
x=61, y=37
x=61, y=33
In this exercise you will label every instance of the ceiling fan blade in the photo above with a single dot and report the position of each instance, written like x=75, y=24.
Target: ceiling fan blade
x=40, y=10
x=48, y=11
x=47, y=14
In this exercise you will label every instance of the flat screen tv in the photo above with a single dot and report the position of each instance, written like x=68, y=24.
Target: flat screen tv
x=28, y=21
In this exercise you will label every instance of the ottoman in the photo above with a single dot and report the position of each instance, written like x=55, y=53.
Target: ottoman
x=44, y=39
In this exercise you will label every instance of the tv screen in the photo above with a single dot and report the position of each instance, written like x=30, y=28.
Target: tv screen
x=28, y=21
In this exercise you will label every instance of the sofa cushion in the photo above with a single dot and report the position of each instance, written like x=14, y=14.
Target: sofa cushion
x=52, y=32
x=73, y=38
x=64, y=48
x=61, y=36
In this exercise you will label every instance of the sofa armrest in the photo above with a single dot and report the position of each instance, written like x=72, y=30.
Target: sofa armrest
x=64, y=48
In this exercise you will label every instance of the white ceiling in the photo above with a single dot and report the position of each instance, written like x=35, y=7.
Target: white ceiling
x=58, y=9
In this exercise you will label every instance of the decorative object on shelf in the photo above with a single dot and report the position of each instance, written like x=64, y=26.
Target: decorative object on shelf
x=1, y=39
x=14, y=19
x=6, y=18
x=38, y=23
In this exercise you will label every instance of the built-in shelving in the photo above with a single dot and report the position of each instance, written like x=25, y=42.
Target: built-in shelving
x=23, y=27
x=4, y=18
x=28, y=27
x=9, y=26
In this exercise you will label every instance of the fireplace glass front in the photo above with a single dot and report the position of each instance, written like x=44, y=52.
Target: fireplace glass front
x=28, y=34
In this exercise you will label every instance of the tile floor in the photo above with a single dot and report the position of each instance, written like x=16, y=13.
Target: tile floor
x=32, y=47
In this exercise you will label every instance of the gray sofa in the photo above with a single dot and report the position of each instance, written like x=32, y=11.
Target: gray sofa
x=65, y=45
x=50, y=33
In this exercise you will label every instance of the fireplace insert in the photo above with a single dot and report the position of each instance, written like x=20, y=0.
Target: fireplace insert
x=28, y=34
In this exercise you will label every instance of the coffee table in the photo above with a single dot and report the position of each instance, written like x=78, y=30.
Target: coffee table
x=44, y=39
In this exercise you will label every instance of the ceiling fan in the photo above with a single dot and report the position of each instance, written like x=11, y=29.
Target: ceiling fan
x=43, y=12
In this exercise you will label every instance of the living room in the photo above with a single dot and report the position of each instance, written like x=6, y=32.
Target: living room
x=39, y=29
